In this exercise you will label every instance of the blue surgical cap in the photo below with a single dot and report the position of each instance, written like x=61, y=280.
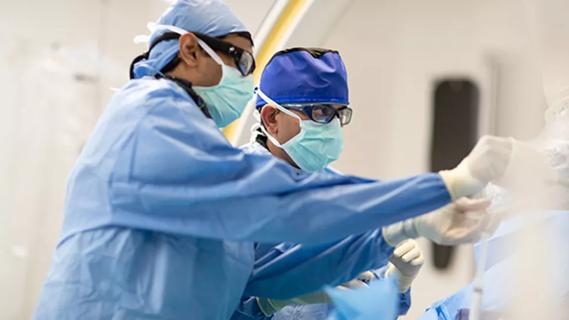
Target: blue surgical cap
x=210, y=17
x=305, y=75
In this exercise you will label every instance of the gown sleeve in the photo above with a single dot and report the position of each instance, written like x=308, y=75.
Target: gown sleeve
x=176, y=173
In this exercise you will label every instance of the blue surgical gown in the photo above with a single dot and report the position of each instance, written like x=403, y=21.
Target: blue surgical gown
x=285, y=268
x=378, y=301
x=249, y=310
x=161, y=212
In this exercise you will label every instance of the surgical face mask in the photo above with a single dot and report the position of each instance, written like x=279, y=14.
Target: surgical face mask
x=226, y=100
x=315, y=146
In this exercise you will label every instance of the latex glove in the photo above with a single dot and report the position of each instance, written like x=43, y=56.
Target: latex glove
x=271, y=306
x=462, y=221
x=486, y=162
x=405, y=262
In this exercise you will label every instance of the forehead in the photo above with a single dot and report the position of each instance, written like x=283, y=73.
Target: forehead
x=239, y=41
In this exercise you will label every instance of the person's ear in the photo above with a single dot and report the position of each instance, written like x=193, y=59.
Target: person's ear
x=189, y=49
x=269, y=119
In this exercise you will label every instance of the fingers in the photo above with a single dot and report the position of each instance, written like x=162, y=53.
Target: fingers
x=497, y=144
x=411, y=255
x=406, y=252
x=467, y=204
x=404, y=247
x=470, y=230
x=419, y=261
x=407, y=256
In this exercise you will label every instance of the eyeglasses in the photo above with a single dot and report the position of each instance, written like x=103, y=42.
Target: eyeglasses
x=323, y=113
x=244, y=61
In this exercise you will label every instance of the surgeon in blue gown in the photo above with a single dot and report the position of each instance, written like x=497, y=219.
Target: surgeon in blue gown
x=313, y=74
x=161, y=212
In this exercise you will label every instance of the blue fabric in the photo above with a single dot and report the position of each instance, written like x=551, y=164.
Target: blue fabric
x=285, y=271
x=249, y=310
x=288, y=268
x=298, y=77
x=498, y=278
x=363, y=303
x=161, y=212
x=210, y=17
x=323, y=311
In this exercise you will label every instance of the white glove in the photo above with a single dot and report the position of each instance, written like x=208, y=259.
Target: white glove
x=486, y=162
x=462, y=221
x=405, y=262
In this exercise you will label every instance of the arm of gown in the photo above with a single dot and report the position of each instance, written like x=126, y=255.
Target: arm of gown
x=302, y=269
x=178, y=174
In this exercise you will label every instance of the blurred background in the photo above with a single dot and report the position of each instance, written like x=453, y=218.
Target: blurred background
x=427, y=78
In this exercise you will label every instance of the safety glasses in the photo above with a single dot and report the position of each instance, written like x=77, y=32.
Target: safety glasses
x=323, y=113
x=244, y=60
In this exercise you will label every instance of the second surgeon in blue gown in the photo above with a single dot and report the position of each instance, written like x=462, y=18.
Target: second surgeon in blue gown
x=321, y=75
x=161, y=212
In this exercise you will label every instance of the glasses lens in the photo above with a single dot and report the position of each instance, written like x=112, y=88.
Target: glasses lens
x=323, y=113
x=345, y=116
x=246, y=63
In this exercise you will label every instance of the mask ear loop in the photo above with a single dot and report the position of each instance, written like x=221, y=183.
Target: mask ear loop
x=278, y=106
x=210, y=52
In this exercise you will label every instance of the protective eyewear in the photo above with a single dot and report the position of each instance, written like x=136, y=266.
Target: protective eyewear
x=324, y=113
x=244, y=60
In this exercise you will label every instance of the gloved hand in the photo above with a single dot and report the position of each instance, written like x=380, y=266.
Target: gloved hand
x=462, y=221
x=486, y=162
x=405, y=262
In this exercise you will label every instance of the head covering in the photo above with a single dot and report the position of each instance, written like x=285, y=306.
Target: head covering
x=305, y=75
x=210, y=17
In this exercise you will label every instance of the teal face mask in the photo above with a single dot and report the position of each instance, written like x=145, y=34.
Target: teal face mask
x=315, y=146
x=226, y=100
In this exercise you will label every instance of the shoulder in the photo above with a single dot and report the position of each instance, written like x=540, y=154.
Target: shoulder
x=150, y=92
